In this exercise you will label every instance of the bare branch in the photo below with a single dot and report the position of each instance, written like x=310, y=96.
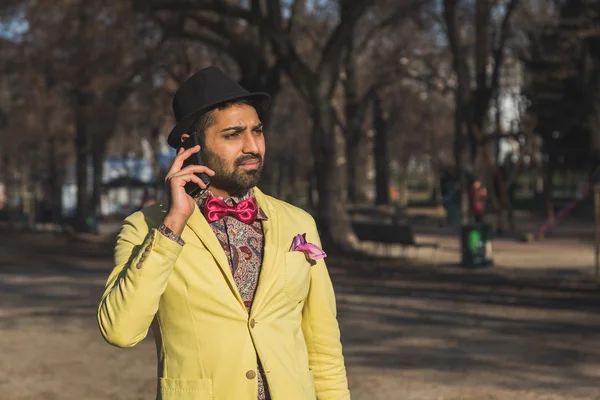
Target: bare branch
x=401, y=12
x=122, y=88
x=482, y=27
x=339, y=120
x=285, y=51
x=218, y=27
x=458, y=60
x=351, y=11
x=174, y=75
x=219, y=6
x=274, y=13
x=297, y=9
x=204, y=38
x=312, y=37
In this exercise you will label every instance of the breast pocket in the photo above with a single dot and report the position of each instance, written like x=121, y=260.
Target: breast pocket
x=185, y=389
x=297, y=275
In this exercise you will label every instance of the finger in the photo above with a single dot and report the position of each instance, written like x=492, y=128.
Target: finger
x=181, y=157
x=182, y=179
x=170, y=172
x=198, y=169
x=199, y=182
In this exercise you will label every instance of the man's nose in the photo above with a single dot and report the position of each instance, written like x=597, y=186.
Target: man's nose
x=250, y=144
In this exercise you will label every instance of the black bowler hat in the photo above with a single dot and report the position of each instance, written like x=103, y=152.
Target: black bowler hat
x=202, y=92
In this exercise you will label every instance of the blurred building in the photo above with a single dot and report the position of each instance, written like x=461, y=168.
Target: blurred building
x=125, y=182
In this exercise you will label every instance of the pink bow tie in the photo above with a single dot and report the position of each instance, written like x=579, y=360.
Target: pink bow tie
x=215, y=209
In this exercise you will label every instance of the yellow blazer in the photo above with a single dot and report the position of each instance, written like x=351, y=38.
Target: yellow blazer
x=206, y=342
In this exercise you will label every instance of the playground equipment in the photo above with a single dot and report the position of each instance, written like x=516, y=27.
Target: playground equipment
x=566, y=210
x=592, y=184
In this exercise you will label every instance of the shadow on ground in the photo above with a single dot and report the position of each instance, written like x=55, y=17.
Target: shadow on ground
x=521, y=329
x=518, y=329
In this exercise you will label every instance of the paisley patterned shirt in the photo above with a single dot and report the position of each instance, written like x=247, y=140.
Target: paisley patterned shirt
x=243, y=244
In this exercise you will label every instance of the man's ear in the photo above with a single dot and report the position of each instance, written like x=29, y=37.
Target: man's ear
x=184, y=137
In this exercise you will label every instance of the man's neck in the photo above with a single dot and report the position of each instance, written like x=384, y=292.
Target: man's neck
x=220, y=192
x=225, y=194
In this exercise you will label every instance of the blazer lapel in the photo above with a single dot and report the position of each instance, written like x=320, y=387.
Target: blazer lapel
x=271, y=253
x=203, y=230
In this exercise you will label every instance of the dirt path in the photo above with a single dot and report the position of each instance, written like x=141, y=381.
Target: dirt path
x=409, y=332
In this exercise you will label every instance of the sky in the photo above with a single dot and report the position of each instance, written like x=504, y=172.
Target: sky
x=14, y=27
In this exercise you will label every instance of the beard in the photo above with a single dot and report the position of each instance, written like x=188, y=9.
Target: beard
x=233, y=178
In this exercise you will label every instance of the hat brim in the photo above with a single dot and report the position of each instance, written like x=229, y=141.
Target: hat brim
x=186, y=124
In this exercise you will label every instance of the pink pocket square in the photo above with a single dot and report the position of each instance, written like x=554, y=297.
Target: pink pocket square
x=310, y=250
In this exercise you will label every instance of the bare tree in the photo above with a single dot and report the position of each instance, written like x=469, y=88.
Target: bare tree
x=95, y=53
x=316, y=78
x=477, y=75
x=372, y=61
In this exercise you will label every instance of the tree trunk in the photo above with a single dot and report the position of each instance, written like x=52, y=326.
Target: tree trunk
x=504, y=204
x=291, y=195
x=437, y=184
x=382, y=165
x=98, y=154
x=460, y=149
x=261, y=78
x=356, y=139
x=157, y=170
x=104, y=124
x=356, y=168
x=402, y=179
x=336, y=230
x=54, y=182
x=310, y=189
x=27, y=208
x=461, y=95
x=433, y=157
x=494, y=196
x=278, y=179
x=82, y=152
x=549, y=187
x=5, y=180
x=496, y=178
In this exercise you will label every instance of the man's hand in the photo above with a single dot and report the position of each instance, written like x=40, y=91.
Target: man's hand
x=181, y=205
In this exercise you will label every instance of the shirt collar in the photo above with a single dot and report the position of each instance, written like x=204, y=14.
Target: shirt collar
x=231, y=201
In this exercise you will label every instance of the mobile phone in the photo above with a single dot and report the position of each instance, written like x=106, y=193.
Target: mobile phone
x=192, y=188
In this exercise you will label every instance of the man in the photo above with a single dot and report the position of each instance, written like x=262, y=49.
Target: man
x=232, y=282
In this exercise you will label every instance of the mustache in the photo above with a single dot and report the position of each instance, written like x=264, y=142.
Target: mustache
x=250, y=157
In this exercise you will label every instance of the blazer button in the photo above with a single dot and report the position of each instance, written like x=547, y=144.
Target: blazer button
x=250, y=374
x=252, y=323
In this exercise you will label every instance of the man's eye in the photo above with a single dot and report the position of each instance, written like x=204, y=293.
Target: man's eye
x=232, y=135
x=258, y=131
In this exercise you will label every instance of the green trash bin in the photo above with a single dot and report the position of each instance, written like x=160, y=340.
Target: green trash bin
x=476, y=245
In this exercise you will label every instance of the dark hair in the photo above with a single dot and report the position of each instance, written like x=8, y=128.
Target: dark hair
x=207, y=119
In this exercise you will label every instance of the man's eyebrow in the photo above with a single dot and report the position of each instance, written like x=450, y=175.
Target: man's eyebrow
x=237, y=128
x=240, y=128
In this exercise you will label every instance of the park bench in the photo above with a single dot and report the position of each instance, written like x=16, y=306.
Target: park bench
x=387, y=234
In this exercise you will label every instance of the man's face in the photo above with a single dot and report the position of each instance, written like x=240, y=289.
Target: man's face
x=235, y=148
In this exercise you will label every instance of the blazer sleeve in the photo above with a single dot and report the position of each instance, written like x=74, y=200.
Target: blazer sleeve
x=144, y=260
x=322, y=333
